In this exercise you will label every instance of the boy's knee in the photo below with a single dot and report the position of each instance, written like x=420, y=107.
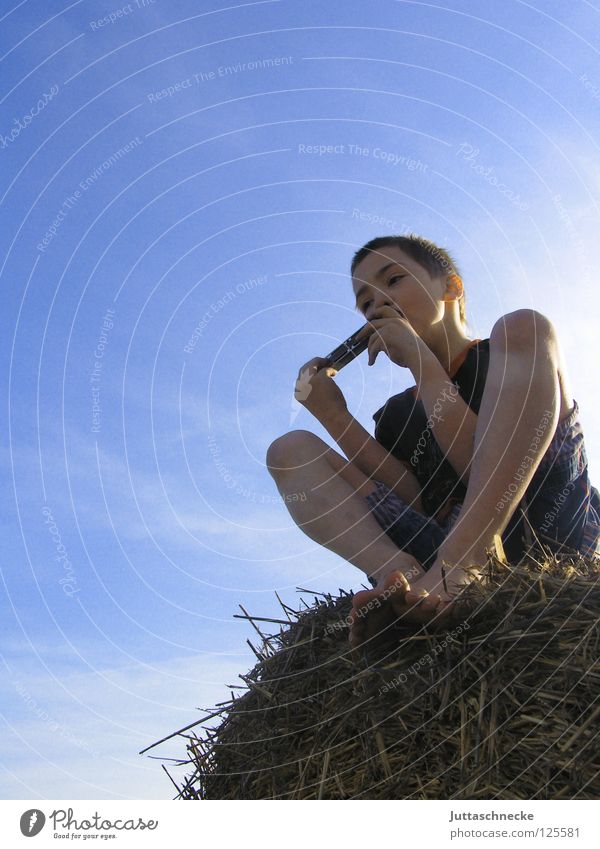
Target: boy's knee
x=525, y=327
x=291, y=448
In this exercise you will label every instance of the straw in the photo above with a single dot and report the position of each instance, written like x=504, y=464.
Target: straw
x=502, y=703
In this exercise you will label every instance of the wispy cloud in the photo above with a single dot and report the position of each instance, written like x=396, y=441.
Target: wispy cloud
x=81, y=740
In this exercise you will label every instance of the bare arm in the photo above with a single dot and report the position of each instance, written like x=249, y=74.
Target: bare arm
x=373, y=459
x=452, y=421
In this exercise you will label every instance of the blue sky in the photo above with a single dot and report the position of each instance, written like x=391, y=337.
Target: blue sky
x=178, y=219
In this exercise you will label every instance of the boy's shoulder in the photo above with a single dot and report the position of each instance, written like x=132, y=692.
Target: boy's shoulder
x=469, y=375
x=472, y=373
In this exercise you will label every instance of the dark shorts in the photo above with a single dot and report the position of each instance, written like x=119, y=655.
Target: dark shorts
x=560, y=508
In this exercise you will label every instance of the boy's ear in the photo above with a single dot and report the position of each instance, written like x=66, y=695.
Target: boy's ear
x=454, y=288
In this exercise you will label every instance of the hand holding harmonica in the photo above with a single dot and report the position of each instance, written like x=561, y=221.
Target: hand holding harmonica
x=388, y=331
x=351, y=348
x=316, y=390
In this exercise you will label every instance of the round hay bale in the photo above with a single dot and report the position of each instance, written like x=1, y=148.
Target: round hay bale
x=503, y=704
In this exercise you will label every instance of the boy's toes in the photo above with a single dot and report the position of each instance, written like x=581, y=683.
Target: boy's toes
x=373, y=611
x=395, y=587
x=357, y=633
x=363, y=599
x=425, y=601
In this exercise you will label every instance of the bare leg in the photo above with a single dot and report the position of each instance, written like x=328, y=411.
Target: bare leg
x=331, y=507
x=517, y=419
x=335, y=514
x=516, y=422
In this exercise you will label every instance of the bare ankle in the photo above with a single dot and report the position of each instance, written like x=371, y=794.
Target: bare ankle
x=402, y=562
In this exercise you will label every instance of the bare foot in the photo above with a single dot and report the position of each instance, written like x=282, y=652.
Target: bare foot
x=433, y=596
x=373, y=611
x=430, y=599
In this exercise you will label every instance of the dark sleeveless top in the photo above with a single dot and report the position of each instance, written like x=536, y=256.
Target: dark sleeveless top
x=402, y=428
x=560, y=505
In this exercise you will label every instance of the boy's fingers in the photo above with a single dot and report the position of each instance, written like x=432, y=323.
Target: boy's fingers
x=371, y=326
x=364, y=331
x=416, y=597
x=372, y=349
x=312, y=365
x=357, y=633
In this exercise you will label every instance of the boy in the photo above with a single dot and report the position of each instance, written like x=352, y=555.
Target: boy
x=487, y=442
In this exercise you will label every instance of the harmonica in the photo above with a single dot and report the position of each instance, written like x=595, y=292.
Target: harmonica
x=352, y=347
x=348, y=350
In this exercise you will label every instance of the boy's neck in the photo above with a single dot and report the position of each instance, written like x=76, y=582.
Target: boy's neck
x=447, y=344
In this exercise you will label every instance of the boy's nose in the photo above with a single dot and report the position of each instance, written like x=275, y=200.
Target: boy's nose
x=377, y=304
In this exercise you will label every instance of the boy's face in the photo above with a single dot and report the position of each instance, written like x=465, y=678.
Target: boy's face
x=392, y=277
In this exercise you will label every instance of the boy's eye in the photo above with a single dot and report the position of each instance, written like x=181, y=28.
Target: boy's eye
x=390, y=282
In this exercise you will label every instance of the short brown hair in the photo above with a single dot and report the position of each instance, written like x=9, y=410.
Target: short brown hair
x=437, y=261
